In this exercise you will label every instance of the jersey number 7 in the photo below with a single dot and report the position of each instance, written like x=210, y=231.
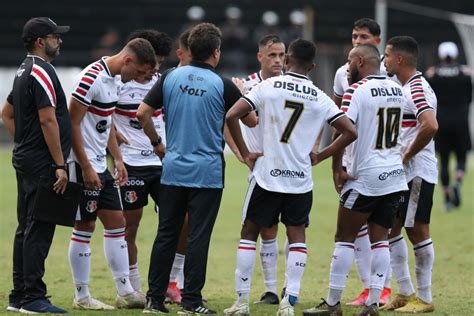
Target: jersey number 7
x=389, y=127
x=297, y=110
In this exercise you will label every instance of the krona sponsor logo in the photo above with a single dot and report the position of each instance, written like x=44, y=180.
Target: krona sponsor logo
x=286, y=173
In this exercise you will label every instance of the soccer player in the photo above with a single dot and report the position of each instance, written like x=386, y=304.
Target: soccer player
x=271, y=56
x=91, y=107
x=372, y=192
x=195, y=100
x=291, y=114
x=143, y=166
x=419, y=126
x=365, y=31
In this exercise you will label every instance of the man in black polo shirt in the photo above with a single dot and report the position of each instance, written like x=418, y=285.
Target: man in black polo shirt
x=36, y=115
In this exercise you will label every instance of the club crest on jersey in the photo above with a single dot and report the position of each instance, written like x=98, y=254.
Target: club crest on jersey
x=91, y=206
x=135, y=124
x=131, y=196
x=101, y=126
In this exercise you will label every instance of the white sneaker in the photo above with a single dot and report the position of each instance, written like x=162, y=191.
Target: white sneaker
x=285, y=309
x=132, y=300
x=90, y=303
x=238, y=309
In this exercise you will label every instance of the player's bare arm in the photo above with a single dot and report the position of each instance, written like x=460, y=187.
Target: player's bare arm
x=77, y=110
x=144, y=113
x=8, y=118
x=348, y=134
x=239, y=109
x=428, y=129
x=121, y=175
x=50, y=128
x=230, y=142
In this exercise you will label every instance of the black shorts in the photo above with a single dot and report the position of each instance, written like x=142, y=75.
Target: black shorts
x=417, y=202
x=106, y=198
x=142, y=181
x=382, y=209
x=264, y=207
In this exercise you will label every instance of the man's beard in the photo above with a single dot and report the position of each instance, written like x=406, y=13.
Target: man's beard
x=354, y=76
x=51, y=52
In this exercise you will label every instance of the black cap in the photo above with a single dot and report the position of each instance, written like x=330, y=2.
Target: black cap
x=40, y=27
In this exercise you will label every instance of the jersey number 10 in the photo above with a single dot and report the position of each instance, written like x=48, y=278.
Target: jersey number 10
x=389, y=127
x=295, y=116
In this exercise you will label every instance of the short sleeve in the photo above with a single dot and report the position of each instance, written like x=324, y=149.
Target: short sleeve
x=231, y=93
x=84, y=90
x=154, y=97
x=255, y=96
x=339, y=87
x=418, y=101
x=42, y=87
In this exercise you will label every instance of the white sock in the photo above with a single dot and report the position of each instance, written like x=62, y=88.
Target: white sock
x=180, y=279
x=362, y=255
x=116, y=253
x=245, y=264
x=379, y=267
x=388, y=278
x=340, y=265
x=399, y=263
x=424, y=258
x=287, y=250
x=295, y=267
x=178, y=265
x=80, y=260
x=269, y=259
x=135, y=279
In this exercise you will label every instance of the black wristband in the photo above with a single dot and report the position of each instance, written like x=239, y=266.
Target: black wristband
x=63, y=167
x=155, y=143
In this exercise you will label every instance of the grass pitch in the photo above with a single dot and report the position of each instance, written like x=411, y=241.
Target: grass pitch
x=452, y=234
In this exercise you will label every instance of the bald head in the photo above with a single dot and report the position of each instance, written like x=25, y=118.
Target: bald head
x=363, y=61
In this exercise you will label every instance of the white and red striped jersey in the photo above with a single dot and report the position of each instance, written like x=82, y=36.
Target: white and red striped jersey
x=420, y=98
x=138, y=151
x=98, y=91
x=375, y=105
x=291, y=112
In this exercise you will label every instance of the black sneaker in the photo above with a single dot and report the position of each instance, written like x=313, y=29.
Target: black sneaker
x=198, y=310
x=456, y=198
x=154, y=307
x=268, y=298
x=41, y=306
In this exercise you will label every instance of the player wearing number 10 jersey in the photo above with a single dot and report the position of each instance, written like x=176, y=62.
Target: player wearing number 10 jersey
x=292, y=112
x=377, y=179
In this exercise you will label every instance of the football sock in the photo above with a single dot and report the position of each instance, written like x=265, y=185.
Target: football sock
x=340, y=265
x=424, y=258
x=379, y=267
x=117, y=257
x=246, y=254
x=295, y=268
x=399, y=263
x=362, y=255
x=80, y=260
x=269, y=257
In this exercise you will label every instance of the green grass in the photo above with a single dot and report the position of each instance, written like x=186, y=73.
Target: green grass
x=452, y=233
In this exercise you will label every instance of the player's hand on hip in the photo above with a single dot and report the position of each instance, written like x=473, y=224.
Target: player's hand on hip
x=91, y=178
x=121, y=174
x=314, y=158
x=251, y=158
x=61, y=183
x=340, y=178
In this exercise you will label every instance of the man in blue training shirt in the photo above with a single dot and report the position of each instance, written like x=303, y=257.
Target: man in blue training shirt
x=195, y=100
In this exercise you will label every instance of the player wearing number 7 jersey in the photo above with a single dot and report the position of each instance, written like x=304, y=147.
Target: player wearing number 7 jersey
x=292, y=112
x=372, y=193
